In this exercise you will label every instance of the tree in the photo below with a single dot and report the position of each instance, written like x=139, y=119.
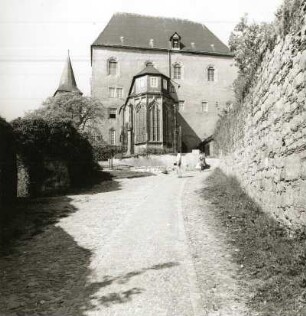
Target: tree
x=84, y=112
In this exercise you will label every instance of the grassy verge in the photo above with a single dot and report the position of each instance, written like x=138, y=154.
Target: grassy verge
x=273, y=265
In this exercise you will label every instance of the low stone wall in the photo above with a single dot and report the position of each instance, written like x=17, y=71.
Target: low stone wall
x=189, y=161
x=54, y=179
x=269, y=159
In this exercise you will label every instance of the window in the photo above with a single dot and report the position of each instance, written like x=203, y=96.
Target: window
x=112, y=137
x=165, y=84
x=176, y=44
x=141, y=83
x=211, y=73
x=177, y=71
x=119, y=93
x=112, y=67
x=111, y=92
x=204, y=106
x=154, y=122
x=153, y=82
x=114, y=92
x=181, y=106
x=112, y=113
x=141, y=126
x=176, y=41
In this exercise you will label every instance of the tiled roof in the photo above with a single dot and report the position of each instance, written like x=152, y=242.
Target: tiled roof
x=67, y=82
x=133, y=30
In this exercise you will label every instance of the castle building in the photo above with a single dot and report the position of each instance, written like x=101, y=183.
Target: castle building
x=196, y=64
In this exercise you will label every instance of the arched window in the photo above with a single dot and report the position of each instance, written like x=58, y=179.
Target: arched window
x=177, y=71
x=112, y=66
x=211, y=73
x=141, y=125
x=154, y=121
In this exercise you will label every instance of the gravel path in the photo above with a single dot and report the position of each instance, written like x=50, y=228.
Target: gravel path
x=122, y=249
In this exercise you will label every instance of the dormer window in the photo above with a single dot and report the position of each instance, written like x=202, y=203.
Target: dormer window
x=175, y=40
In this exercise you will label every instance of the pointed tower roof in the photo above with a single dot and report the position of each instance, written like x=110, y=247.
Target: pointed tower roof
x=67, y=82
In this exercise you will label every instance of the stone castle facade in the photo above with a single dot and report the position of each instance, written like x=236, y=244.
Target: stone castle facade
x=199, y=66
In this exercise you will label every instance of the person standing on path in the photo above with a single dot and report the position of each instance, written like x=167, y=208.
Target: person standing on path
x=179, y=165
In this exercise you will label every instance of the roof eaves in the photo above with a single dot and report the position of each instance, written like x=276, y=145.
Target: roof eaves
x=165, y=50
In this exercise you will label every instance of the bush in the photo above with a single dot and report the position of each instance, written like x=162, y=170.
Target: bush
x=38, y=139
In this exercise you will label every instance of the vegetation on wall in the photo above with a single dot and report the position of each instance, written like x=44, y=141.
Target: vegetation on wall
x=38, y=139
x=250, y=42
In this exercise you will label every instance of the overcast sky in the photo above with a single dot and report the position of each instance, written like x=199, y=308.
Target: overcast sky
x=36, y=34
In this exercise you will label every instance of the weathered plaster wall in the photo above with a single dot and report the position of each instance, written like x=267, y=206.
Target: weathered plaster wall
x=193, y=87
x=270, y=157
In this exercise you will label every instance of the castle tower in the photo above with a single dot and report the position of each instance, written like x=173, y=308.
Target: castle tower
x=67, y=82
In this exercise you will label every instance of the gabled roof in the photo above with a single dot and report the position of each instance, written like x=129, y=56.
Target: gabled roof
x=67, y=81
x=133, y=30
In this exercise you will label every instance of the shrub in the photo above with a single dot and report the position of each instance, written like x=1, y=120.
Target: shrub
x=38, y=139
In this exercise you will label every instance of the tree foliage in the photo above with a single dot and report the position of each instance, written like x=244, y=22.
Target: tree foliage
x=84, y=112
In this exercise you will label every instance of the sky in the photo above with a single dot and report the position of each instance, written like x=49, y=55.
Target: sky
x=36, y=35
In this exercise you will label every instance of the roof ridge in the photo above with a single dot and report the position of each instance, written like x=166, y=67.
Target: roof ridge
x=157, y=17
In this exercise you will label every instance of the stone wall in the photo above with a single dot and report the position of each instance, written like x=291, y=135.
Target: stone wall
x=158, y=162
x=54, y=178
x=269, y=159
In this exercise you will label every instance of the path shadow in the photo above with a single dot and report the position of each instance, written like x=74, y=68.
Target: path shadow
x=121, y=297
x=31, y=216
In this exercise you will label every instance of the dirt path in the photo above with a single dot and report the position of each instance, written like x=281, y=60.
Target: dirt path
x=123, y=250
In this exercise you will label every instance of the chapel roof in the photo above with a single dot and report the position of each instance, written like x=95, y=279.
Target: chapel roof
x=67, y=82
x=138, y=31
x=149, y=70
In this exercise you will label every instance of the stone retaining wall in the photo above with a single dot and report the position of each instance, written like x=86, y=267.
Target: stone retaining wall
x=270, y=158
x=54, y=179
x=189, y=161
